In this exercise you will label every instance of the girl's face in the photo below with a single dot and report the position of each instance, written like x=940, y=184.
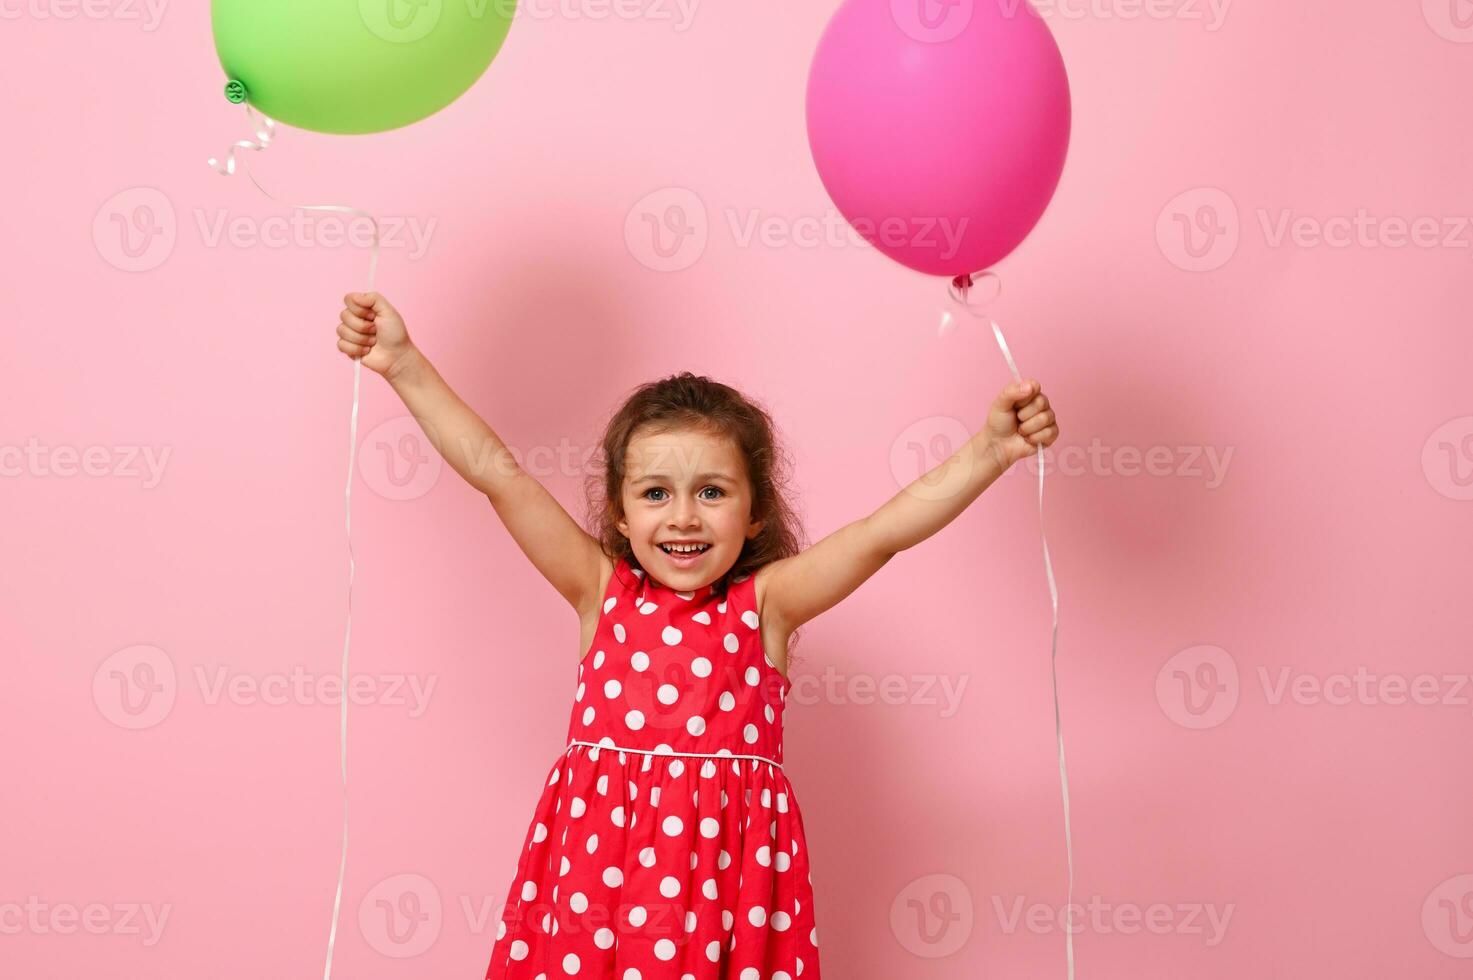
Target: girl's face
x=686, y=487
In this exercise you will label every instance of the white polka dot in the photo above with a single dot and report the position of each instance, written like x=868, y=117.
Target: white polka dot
x=668, y=694
x=588, y=715
x=529, y=891
x=598, y=660
x=764, y=856
x=673, y=826
x=571, y=964
x=578, y=807
x=753, y=678
x=710, y=827
x=696, y=726
x=670, y=635
x=750, y=618
x=578, y=902
x=619, y=632
x=519, y=950
x=669, y=886
x=701, y=667
x=604, y=938
x=731, y=643
x=665, y=950
x=757, y=915
x=713, y=951
x=702, y=617
x=635, y=719
x=638, y=915
x=727, y=701
x=648, y=607
x=613, y=877
x=647, y=857
x=640, y=661
x=749, y=734
x=612, y=689
x=781, y=921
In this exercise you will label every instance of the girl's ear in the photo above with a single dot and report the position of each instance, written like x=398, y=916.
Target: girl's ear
x=754, y=529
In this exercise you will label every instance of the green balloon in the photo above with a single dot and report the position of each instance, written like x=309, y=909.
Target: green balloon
x=356, y=66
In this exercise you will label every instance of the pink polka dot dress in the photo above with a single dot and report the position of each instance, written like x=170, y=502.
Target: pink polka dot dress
x=667, y=843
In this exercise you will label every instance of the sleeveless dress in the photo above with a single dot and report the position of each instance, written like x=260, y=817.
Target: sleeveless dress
x=667, y=842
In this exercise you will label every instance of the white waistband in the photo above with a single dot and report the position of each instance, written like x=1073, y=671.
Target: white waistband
x=685, y=755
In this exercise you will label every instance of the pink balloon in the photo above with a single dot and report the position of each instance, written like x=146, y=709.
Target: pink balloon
x=939, y=127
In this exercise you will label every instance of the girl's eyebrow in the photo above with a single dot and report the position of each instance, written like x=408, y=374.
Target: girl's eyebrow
x=701, y=476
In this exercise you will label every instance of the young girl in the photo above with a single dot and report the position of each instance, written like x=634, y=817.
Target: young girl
x=667, y=843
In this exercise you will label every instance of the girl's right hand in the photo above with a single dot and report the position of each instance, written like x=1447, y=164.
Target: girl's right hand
x=372, y=329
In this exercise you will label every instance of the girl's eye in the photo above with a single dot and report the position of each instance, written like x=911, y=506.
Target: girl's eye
x=718, y=490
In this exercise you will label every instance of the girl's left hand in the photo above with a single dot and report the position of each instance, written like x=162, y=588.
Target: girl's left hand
x=1020, y=422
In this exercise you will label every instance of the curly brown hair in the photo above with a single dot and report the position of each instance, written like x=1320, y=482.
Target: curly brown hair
x=688, y=401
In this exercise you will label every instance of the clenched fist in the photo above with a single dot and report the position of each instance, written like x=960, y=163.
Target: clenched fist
x=1020, y=422
x=372, y=329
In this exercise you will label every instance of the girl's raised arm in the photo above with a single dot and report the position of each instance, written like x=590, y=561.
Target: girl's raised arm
x=567, y=556
x=800, y=587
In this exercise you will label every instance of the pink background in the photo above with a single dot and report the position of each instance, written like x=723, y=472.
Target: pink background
x=1337, y=542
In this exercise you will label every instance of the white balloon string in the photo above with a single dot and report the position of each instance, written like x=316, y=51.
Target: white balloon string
x=961, y=292
x=265, y=130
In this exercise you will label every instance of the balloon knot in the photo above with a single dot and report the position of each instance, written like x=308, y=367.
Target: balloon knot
x=235, y=91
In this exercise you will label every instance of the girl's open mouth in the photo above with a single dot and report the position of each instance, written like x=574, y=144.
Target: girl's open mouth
x=684, y=559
